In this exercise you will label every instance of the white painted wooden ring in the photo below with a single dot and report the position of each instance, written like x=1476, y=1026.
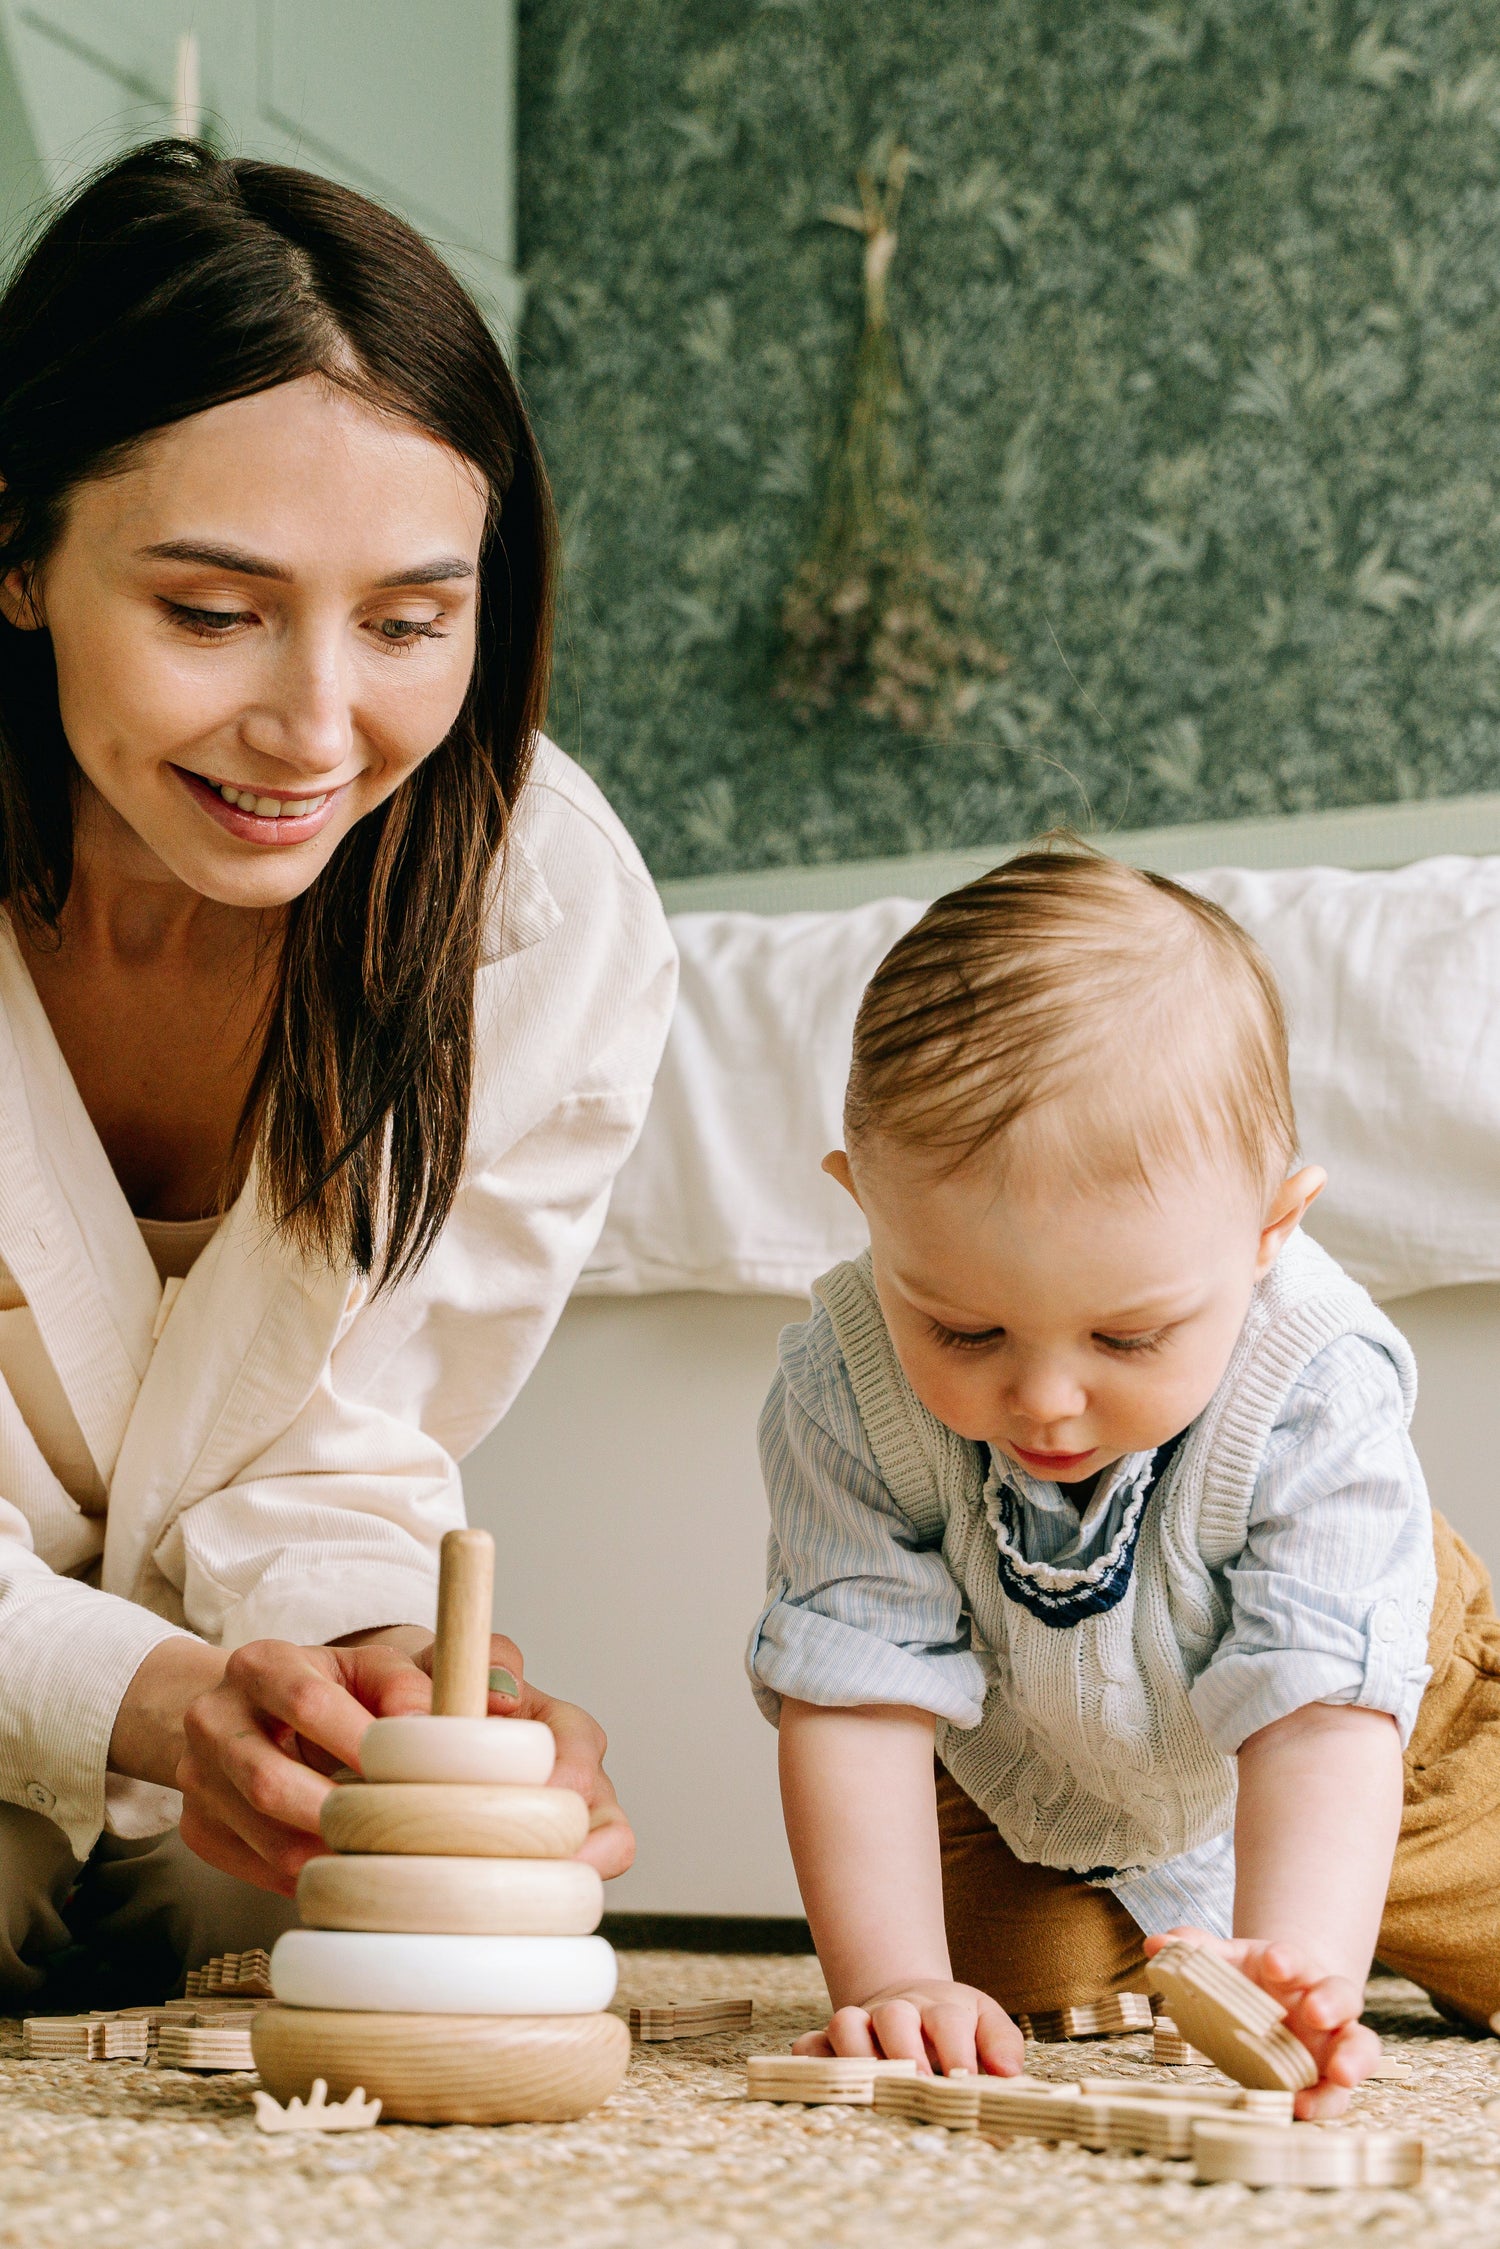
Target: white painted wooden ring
x=369, y=1971
x=478, y=1750
x=446, y=1896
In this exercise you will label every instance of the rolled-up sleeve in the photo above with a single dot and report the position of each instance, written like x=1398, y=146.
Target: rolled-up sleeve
x=1330, y=1599
x=856, y=1611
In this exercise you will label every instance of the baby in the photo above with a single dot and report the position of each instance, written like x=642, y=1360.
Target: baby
x=1094, y=1474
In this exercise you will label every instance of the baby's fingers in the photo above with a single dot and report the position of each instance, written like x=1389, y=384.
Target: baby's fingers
x=1001, y=2048
x=851, y=2032
x=897, y=2025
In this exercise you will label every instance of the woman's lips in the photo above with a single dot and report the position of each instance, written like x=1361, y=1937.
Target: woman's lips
x=256, y=827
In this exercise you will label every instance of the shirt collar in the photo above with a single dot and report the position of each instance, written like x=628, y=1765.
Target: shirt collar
x=1123, y=1480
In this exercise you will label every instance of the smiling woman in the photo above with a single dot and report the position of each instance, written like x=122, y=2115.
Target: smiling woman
x=330, y=997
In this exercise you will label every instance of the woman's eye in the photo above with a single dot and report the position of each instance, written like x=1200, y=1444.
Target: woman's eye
x=209, y=624
x=405, y=632
x=960, y=1339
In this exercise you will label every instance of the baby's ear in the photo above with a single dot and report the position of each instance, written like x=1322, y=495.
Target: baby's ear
x=836, y=1164
x=1289, y=1206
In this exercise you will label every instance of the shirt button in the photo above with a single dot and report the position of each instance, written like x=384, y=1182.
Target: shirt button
x=1385, y=1621
x=40, y=1799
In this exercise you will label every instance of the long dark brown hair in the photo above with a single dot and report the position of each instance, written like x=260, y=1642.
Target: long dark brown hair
x=172, y=282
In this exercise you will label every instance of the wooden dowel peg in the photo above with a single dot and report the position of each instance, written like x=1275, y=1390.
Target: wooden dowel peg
x=461, y=1657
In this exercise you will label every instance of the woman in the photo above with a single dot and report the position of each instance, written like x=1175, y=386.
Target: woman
x=330, y=998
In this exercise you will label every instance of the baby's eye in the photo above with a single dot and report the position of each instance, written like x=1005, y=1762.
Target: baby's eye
x=966, y=1339
x=1126, y=1343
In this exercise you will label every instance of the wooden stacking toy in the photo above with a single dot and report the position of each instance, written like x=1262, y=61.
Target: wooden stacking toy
x=447, y=1963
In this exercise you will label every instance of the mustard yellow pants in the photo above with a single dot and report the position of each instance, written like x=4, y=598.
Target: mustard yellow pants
x=1038, y=1939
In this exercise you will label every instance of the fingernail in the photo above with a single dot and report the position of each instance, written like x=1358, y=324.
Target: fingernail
x=504, y=1683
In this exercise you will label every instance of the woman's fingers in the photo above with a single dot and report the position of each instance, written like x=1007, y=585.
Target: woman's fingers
x=507, y=1677
x=609, y=1846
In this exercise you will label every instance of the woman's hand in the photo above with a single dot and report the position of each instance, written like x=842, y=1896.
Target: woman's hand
x=1322, y=2010
x=581, y=1745
x=940, y=2026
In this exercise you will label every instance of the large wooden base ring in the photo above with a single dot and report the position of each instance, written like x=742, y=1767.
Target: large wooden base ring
x=453, y=1821
x=401, y=1974
x=445, y=2069
x=469, y=1750
x=459, y=1897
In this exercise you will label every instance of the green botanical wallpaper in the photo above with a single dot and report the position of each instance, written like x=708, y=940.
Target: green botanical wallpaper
x=1199, y=312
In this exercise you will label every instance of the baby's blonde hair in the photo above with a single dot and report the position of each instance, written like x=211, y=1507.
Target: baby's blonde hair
x=1139, y=1015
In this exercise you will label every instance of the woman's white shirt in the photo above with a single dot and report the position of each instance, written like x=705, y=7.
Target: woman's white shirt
x=278, y=1446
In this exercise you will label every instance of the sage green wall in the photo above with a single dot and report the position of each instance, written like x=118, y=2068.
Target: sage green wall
x=1202, y=310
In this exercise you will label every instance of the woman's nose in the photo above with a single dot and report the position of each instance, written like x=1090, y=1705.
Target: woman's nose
x=304, y=717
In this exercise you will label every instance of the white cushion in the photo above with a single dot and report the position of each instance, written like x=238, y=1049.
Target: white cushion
x=1392, y=984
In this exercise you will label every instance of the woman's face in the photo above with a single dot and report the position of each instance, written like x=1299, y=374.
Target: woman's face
x=262, y=626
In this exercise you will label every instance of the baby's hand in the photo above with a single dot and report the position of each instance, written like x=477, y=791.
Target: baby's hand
x=1322, y=2010
x=940, y=2026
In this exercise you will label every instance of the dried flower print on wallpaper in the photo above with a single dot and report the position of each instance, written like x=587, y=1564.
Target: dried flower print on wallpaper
x=1196, y=413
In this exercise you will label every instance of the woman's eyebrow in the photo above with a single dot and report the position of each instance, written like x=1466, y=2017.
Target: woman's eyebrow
x=440, y=571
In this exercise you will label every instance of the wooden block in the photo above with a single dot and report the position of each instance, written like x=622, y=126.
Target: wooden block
x=446, y=2069
x=952, y=2102
x=471, y=1751
x=242, y=1974
x=702, y=2018
x=62, y=2038
x=1303, y=2155
x=452, y=1896
x=1266, y=2108
x=1118, y=2015
x=1169, y=2049
x=455, y=1822
x=1230, y=2019
x=461, y=1655
x=818, y=2078
x=204, y=2044
x=317, y=2114
x=348, y=1971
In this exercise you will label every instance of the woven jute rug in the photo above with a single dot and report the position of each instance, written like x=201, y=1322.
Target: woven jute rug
x=113, y=2153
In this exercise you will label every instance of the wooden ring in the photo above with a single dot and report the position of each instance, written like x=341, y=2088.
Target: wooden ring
x=445, y=2069
x=449, y=1896
x=386, y=1972
x=472, y=1751
x=449, y=1821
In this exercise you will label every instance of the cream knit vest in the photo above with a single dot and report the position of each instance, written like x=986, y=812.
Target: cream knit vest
x=1088, y=1755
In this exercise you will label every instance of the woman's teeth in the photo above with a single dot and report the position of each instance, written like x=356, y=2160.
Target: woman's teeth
x=269, y=808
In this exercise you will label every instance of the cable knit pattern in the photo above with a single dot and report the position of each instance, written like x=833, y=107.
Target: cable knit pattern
x=1089, y=1755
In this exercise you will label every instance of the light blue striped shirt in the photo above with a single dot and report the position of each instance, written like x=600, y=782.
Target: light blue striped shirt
x=1329, y=1601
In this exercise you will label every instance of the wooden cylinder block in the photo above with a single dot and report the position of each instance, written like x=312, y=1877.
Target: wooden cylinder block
x=470, y=1897
x=445, y=2069
x=455, y=1822
x=393, y=1972
x=472, y=1751
x=461, y=1655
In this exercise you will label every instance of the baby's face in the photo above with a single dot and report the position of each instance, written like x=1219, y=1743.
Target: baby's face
x=1066, y=1330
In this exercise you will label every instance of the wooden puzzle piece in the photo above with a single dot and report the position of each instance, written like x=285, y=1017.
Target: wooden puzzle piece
x=1230, y=2019
x=1269, y=2108
x=1303, y=2155
x=446, y=2069
x=451, y=1896
x=245, y=1975
x=395, y=1972
x=1117, y=2015
x=206, y=2042
x=952, y=2101
x=454, y=1821
x=318, y=2113
x=1029, y=2108
x=1169, y=2049
x=474, y=1751
x=702, y=2018
x=818, y=2078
